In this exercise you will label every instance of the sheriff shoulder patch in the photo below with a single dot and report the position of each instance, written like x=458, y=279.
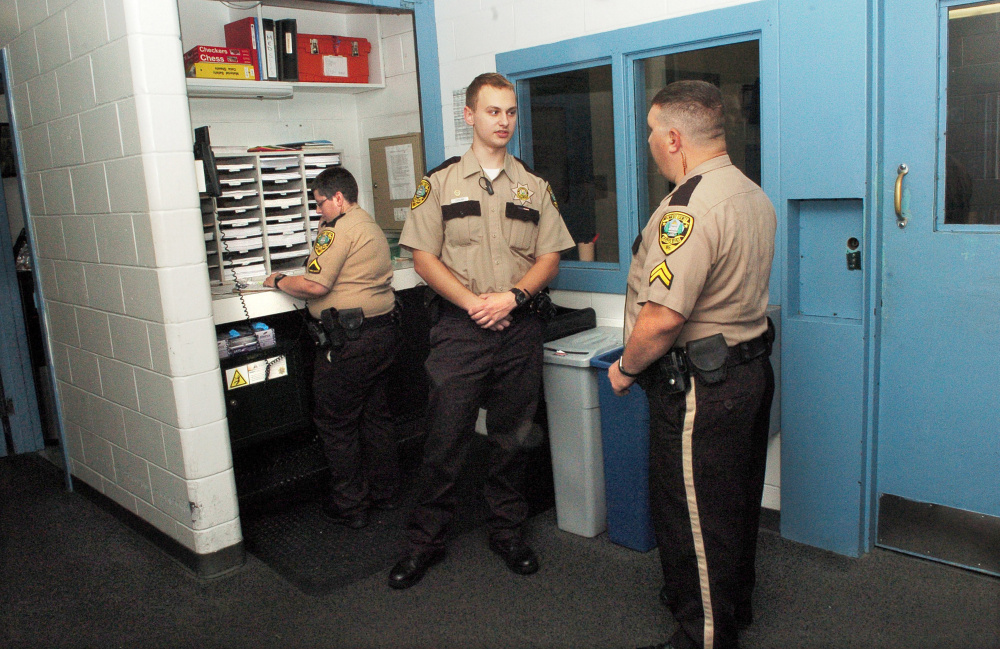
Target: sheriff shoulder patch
x=661, y=273
x=552, y=195
x=324, y=241
x=675, y=228
x=314, y=267
x=423, y=189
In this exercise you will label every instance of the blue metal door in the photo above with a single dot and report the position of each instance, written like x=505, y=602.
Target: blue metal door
x=938, y=468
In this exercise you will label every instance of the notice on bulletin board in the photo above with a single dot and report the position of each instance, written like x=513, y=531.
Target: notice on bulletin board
x=402, y=178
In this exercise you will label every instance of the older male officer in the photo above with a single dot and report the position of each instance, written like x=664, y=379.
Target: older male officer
x=486, y=235
x=698, y=340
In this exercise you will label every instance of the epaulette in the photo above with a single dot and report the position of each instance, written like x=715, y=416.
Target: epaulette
x=682, y=195
x=444, y=165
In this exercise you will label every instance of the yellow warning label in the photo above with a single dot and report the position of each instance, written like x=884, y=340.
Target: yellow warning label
x=238, y=381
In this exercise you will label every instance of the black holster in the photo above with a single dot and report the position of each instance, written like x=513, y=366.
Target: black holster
x=432, y=304
x=707, y=358
x=541, y=305
x=671, y=370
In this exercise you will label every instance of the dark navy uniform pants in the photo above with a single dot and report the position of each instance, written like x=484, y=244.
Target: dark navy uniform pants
x=470, y=367
x=352, y=416
x=707, y=453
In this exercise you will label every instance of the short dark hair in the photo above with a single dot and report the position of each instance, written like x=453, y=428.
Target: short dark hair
x=696, y=105
x=336, y=179
x=491, y=79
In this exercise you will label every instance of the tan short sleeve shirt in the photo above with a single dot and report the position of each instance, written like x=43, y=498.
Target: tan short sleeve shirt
x=706, y=253
x=351, y=257
x=487, y=240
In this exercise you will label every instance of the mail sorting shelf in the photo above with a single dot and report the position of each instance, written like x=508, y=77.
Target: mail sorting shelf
x=265, y=219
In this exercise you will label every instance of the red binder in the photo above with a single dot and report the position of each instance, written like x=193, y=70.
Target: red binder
x=243, y=34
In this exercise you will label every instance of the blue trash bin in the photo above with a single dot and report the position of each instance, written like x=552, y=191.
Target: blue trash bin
x=625, y=439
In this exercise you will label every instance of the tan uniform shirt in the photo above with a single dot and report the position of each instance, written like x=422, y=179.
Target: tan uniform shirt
x=487, y=241
x=707, y=257
x=351, y=258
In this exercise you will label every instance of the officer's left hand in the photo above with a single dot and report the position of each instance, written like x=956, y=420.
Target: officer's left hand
x=619, y=382
x=492, y=309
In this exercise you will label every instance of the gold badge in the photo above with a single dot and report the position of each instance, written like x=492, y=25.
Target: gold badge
x=675, y=228
x=662, y=273
x=423, y=189
x=552, y=195
x=314, y=267
x=522, y=194
x=324, y=241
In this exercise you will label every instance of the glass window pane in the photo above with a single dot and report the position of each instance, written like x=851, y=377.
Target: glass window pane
x=736, y=71
x=972, y=140
x=573, y=147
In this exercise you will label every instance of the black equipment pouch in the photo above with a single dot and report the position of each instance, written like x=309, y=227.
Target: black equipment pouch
x=329, y=319
x=432, y=304
x=707, y=357
x=316, y=333
x=672, y=369
x=351, y=321
x=541, y=305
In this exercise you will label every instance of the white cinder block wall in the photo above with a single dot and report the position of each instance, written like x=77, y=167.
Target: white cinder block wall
x=101, y=106
x=472, y=32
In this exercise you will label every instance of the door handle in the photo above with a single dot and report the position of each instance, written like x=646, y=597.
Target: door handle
x=898, y=195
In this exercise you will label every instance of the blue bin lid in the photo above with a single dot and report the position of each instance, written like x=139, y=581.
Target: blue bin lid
x=578, y=350
x=605, y=360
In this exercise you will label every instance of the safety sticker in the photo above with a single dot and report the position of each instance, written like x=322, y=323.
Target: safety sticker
x=675, y=228
x=251, y=373
x=423, y=189
x=324, y=241
x=662, y=273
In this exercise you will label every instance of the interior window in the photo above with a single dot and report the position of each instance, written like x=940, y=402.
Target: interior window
x=573, y=147
x=735, y=69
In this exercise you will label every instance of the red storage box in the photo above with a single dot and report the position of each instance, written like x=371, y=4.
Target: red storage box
x=333, y=59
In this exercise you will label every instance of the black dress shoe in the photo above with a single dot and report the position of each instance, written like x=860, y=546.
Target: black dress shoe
x=355, y=521
x=517, y=555
x=412, y=569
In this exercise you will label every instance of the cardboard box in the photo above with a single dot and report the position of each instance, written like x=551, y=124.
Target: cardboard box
x=211, y=54
x=333, y=59
x=238, y=71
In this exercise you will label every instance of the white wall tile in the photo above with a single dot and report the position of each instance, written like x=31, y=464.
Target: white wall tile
x=128, y=122
x=66, y=142
x=23, y=58
x=87, y=475
x=186, y=348
x=84, y=369
x=71, y=433
x=76, y=86
x=8, y=23
x=108, y=420
x=97, y=454
x=37, y=155
x=455, y=8
x=36, y=198
x=131, y=343
x=72, y=284
x=57, y=189
x=142, y=293
x=115, y=11
x=157, y=64
x=572, y=299
x=119, y=495
x=199, y=400
x=88, y=26
x=74, y=406
x=62, y=323
x=393, y=24
x=118, y=381
x=547, y=22
x=170, y=494
x=43, y=94
x=95, y=331
x=101, y=133
x=104, y=288
x=212, y=539
x=610, y=309
x=186, y=294
x=156, y=396
x=174, y=238
x=90, y=189
x=145, y=438
x=127, y=185
x=112, y=71
x=60, y=359
x=56, y=6
x=115, y=239
x=49, y=237
x=485, y=32
x=213, y=500
x=164, y=123
x=47, y=271
x=53, y=39
x=392, y=54
x=170, y=181
x=22, y=106
x=198, y=452
x=158, y=519
x=132, y=474
x=152, y=17
x=81, y=240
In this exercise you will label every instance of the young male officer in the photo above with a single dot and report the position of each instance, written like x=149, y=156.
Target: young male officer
x=348, y=283
x=486, y=235
x=697, y=333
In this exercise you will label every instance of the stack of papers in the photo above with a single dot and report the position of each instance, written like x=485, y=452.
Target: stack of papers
x=286, y=240
x=283, y=202
x=242, y=245
x=290, y=254
x=229, y=233
x=280, y=176
x=279, y=162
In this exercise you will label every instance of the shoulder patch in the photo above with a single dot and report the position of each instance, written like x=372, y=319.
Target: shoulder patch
x=324, y=241
x=552, y=195
x=423, y=189
x=662, y=274
x=444, y=165
x=682, y=195
x=314, y=267
x=675, y=228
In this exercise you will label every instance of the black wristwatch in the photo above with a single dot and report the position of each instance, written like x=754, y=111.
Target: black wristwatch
x=520, y=297
x=278, y=278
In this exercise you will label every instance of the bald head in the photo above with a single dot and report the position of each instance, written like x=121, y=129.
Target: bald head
x=695, y=109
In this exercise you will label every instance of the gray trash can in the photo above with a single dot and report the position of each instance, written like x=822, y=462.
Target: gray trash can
x=574, y=416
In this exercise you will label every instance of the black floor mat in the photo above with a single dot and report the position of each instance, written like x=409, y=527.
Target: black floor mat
x=291, y=535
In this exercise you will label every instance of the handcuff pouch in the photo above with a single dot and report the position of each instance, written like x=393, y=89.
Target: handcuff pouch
x=707, y=358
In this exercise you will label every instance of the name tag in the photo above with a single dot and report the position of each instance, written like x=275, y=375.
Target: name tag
x=460, y=200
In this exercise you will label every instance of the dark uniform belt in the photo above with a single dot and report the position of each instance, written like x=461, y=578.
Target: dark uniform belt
x=334, y=326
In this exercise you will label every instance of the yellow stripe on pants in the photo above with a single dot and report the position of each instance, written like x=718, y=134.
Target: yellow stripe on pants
x=687, y=453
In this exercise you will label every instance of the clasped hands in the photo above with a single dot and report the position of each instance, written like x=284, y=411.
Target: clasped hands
x=493, y=310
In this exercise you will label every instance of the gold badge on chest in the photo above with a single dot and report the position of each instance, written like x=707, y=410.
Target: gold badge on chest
x=522, y=194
